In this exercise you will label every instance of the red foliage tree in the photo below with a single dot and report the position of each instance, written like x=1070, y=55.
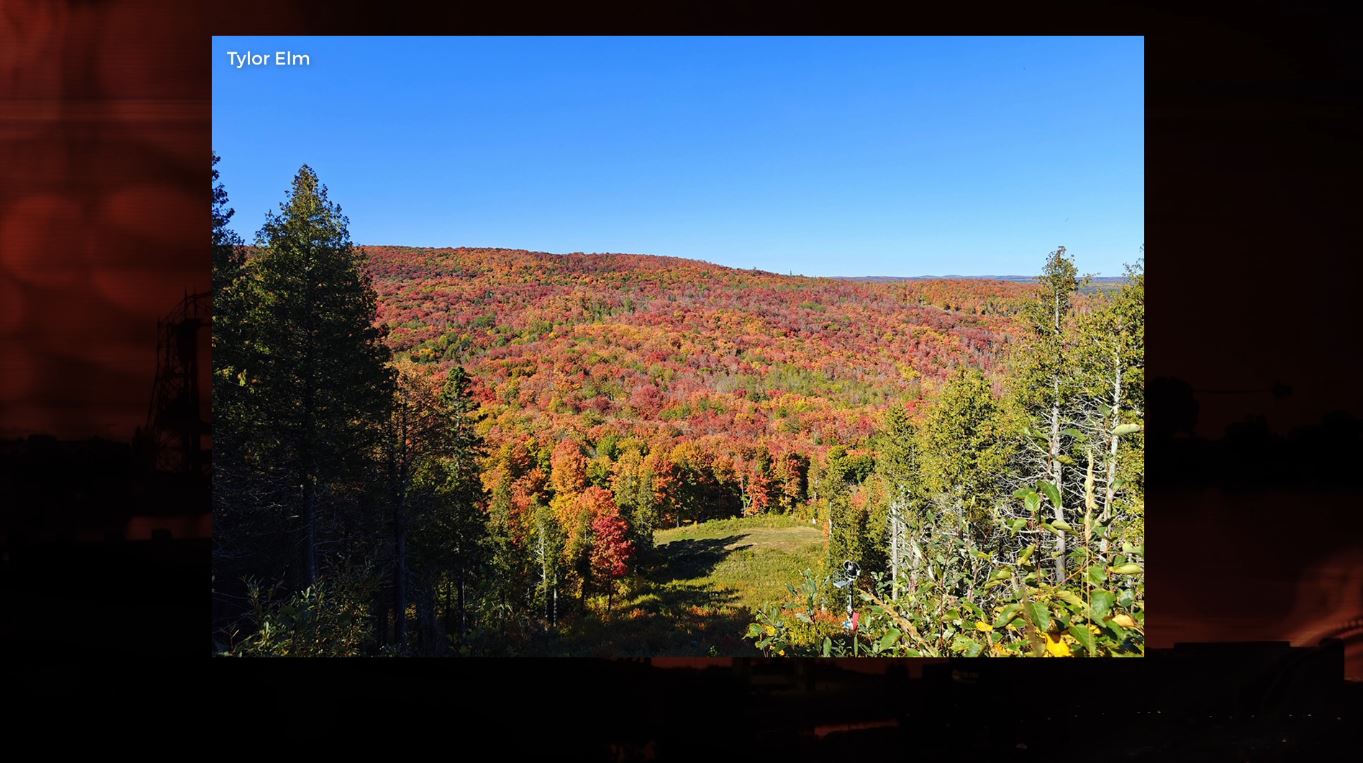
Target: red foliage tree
x=612, y=549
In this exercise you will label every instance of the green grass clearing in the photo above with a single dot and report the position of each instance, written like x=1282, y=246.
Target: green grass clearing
x=698, y=597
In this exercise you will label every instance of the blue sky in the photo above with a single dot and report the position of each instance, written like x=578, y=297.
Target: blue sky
x=818, y=156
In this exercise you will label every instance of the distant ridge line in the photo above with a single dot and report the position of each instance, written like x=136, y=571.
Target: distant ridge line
x=1025, y=279
x=669, y=257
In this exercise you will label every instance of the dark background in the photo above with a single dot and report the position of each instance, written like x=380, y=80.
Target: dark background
x=1253, y=164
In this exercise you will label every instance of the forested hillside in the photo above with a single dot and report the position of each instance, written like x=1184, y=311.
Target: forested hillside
x=738, y=365
x=479, y=451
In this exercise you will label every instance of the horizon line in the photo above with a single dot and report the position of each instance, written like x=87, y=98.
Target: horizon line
x=985, y=277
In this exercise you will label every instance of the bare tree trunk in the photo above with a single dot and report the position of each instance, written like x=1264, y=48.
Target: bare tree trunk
x=1108, y=490
x=449, y=608
x=1055, y=453
x=915, y=563
x=1056, y=475
x=544, y=576
x=463, y=611
x=310, y=523
x=894, y=550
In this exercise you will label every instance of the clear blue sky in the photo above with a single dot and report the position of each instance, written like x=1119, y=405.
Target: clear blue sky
x=818, y=156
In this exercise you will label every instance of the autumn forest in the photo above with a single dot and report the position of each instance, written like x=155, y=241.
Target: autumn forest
x=459, y=451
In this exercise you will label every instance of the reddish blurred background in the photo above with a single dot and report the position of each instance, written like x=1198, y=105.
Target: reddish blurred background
x=105, y=139
x=104, y=148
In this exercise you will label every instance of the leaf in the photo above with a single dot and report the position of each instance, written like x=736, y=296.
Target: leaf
x=1064, y=459
x=1062, y=525
x=966, y=645
x=1070, y=597
x=1115, y=629
x=1124, y=620
x=983, y=627
x=1026, y=554
x=1085, y=637
x=1056, y=647
x=1006, y=615
x=1052, y=492
x=1017, y=524
x=827, y=646
x=1100, y=604
x=1071, y=432
x=1037, y=614
x=1126, y=429
x=1127, y=569
x=1096, y=575
x=888, y=641
x=802, y=617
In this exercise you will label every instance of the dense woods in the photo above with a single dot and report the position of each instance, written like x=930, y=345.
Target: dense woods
x=473, y=451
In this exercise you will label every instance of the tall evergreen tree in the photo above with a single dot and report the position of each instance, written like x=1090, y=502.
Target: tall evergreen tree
x=1110, y=405
x=460, y=521
x=229, y=544
x=228, y=251
x=311, y=365
x=897, y=466
x=1043, y=384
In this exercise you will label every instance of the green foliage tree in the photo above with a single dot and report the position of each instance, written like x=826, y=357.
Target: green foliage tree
x=439, y=496
x=961, y=448
x=897, y=467
x=311, y=366
x=1043, y=385
x=228, y=250
x=848, y=518
x=248, y=537
x=1110, y=402
x=548, y=541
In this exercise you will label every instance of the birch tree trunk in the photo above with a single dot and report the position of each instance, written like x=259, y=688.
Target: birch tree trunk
x=1108, y=489
x=894, y=549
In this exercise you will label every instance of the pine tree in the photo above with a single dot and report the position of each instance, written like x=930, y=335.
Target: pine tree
x=460, y=523
x=848, y=538
x=960, y=447
x=238, y=548
x=228, y=252
x=310, y=365
x=1043, y=384
x=897, y=467
x=437, y=494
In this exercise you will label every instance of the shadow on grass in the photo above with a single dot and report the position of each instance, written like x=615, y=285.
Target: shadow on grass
x=672, y=612
x=692, y=558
